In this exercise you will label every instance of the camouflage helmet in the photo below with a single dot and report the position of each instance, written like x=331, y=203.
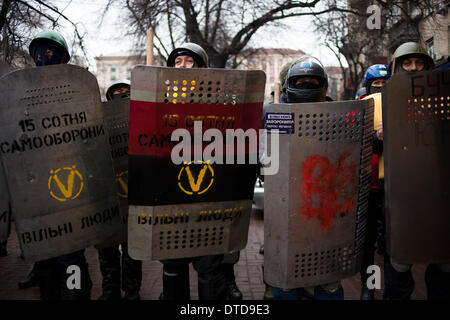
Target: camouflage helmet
x=114, y=86
x=190, y=49
x=52, y=36
x=410, y=49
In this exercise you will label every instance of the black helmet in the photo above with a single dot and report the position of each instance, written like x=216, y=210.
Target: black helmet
x=192, y=50
x=306, y=66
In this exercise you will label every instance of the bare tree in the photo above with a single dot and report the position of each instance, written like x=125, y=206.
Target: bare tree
x=21, y=19
x=222, y=28
x=346, y=34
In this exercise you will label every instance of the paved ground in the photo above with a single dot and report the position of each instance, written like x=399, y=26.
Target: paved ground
x=248, y=272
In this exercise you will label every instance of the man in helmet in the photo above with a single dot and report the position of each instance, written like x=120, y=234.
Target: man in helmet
x=110, y=258
x=211, y=278
x=375, y=78
x=361, y=93
x=410, y=57
x=307, y=81
x=188, y=55
x=118, y=90
x=399, y=283
x=50, y=48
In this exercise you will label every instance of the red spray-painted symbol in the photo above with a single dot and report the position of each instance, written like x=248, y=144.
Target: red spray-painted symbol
x=329, y=190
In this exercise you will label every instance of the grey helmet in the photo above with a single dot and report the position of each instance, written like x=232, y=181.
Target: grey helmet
x=306, y=66
x=190, y=49
x=110, y=90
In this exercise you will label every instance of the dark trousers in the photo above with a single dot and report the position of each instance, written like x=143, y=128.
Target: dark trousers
x=211, y=279
x=110, y=261
x=54, y=276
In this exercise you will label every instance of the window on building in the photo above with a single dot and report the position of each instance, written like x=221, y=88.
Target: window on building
x=113, y=69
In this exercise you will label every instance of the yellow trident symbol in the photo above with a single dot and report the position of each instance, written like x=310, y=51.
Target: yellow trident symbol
x=123, y=184
x=195, y=185
x=65, y=191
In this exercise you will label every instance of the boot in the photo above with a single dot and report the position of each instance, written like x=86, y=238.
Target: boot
x=233, y=292
x=109, y=261
x=131, y=275
x=176, y=283
x=32, y=279
x=366, y=293
x=212, y=287
x=398, y=285
x=3, y=249
x=438, y=283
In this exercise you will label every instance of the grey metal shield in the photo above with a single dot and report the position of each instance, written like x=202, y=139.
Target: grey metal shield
x=315, y=207
x=116, y=122
x=5, y=215
x=5, y=223
x=5, y=68
x=168, y=216
x=57, y=160
x=416, y=124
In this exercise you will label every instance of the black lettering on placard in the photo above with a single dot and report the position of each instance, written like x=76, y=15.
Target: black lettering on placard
x=156, y=140
x=100, y=217
x=227, y=214
x=49, y=140
x=46, y=233
x=120, y=152
x=64, y=120
x=162, y=218
x=119, y=138
x=208, y=121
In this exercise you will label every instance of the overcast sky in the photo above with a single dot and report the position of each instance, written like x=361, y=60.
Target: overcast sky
x=107, y=40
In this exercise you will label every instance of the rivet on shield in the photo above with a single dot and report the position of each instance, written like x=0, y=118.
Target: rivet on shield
x=31, y=177
x=26, y=113
x=405, y=148
x=91, y=176
x=84, y=141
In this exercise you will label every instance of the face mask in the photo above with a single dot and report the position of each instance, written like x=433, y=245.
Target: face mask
x=118, y=96
x=305, y=95
x=306, y=85
x=375, y=89
x=47, y=54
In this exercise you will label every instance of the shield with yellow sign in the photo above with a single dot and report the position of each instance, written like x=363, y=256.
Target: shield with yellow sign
x=116, y=122
x=198, y=207
x=57, y=160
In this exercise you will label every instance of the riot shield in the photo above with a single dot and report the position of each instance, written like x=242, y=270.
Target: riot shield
x=197, y=207
x=116, y=114
x=5, y=215
x=57, y=160
x=315, y=207
x=416, y=125
x=5, y=68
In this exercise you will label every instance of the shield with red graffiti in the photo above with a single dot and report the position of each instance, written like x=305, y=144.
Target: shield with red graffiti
x=416, y=125
x=315, y=207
